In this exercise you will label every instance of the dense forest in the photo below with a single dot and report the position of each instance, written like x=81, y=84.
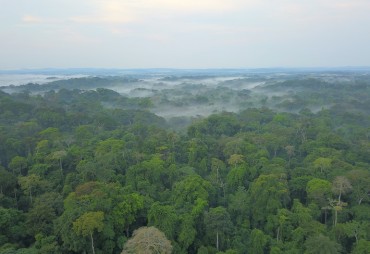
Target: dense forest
x=280, y=166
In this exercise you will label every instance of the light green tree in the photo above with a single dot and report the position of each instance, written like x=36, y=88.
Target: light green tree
x=322, y=163
x=87, y=224
x=31, y=183
x=125, y=212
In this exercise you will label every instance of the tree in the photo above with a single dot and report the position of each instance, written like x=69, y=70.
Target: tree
x=267, y=194
x=126, y=211
x=322, y=163
x=7, y=181
x=110, y=154
x=318, y=190
x=321, y=244
x=235, y=159
x=362, y=247
x=218, y=225
x=147, y=240
x=337, y=206
x=17, y=164
x=355, y=229
x=46, y=244
x=360, y=180
x=12, y=228
x=43, y=212
x=237, y=177
x=341, y=185
x=94, y=197
x=31, y=183
x=257, y=241
x=187, y=232
x=190, y=189
x=237, y=206
x=147, y=177
x=59, y=155
x=290, y=150
x=87, y=224
x=218, y=171
x=164, y=218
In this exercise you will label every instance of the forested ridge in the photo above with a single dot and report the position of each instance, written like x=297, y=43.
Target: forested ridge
x=82, y=170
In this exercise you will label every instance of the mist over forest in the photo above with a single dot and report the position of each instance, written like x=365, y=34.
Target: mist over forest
x=187, y=94
x=213, y=161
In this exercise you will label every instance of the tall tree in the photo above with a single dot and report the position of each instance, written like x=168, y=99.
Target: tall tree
x=341, y=185
x=18, y=164
x=31, y=184
x=360, y=180
x=87, y=224
x=126, y=211
x=257, y=241
x=218, y=225
x=267, y=194
x=164, y=218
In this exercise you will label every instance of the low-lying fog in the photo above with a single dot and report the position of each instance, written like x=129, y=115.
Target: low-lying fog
x=22, y=79
x=194, y=95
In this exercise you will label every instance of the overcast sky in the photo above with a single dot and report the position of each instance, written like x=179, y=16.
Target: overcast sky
x=184, y=33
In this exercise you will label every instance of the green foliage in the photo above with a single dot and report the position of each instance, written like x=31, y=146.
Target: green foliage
x=17, y=164
x=362, y=247
x=125, y=212
x=12, y=226
x=318, y=190
x=257, y=241
x=81, y=170
x=218, y=226
x=164, y=218
x=189, y=190
x=321, y=244
x=268, y=193
x=88, y=223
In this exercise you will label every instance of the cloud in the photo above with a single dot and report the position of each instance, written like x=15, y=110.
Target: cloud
x=117, y=11
x=108, y=11
x=101, y=19
x=191, y=5
x=32, y=19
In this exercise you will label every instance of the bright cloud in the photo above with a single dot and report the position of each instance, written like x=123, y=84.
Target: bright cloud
x=32, y=19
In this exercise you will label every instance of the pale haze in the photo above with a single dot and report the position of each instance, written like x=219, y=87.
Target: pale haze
x=184, y=34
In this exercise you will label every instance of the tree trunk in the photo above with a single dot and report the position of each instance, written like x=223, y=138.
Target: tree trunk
x=359, y=201
x=340, y=194
x=61, y=166
x=92, y=243
x=217, y=174
x=217, y=240
x=15, y=197
x=31, y=195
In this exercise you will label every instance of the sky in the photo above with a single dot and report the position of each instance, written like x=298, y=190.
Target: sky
x=184, y=33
